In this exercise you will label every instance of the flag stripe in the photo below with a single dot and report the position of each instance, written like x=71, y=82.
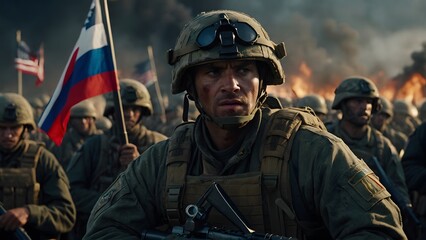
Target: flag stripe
x=87, y=67
x=89, y=72
x=59, y=114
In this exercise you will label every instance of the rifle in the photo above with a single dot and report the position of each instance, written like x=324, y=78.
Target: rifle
x=195, y=226
x=397, y=198
x=20, y=233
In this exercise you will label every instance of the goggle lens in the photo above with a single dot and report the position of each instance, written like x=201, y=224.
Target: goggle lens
x=209, y=35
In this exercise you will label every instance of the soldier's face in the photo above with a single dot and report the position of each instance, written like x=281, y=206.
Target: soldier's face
x=357, y=111
x=380, y=119
x=227, y=88
x=132, y=115
x=82, y=124
x=10, y=135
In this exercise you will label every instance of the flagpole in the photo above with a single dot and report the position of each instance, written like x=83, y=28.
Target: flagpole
x=157, y=86
x=18, y=40
x=117, y=96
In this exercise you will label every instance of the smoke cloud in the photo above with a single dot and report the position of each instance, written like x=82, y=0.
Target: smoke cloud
x=333, y=38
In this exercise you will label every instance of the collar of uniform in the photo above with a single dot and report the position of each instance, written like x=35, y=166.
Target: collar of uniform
x=225, y=159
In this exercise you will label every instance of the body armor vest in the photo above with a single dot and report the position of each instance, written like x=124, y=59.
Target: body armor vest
x=18, y=186
x=263, y=197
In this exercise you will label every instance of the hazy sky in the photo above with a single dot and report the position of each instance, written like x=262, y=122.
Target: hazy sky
x=334, y=38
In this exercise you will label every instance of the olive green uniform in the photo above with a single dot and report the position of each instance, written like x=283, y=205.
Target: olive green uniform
x=54, y=213
x=398, y=139
x=414, y=163
x=324, y=177
x=374, y=144
x=70, y=144
x=95, y=166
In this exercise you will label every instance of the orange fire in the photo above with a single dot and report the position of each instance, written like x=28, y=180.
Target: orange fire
x=412, y=90
x=301, y=84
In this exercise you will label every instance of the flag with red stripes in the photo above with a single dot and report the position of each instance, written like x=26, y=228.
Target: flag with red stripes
x=30, y=63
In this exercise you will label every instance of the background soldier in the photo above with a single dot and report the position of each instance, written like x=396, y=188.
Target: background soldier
x=381, y=121
x=277, y=165
x=414, y=163
x=33, y=186
x=81, y=126
x=358, y=99
x=101, y=158
x=404, y=119
x=316, y=102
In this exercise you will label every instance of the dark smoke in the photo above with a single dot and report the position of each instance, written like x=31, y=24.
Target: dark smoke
x=334, y=38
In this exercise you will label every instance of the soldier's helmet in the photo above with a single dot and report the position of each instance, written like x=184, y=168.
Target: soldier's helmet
x=133, y=93
x=223, y=35
x=16, y=109
x=402, y=107
x=353, y=87
x=36, y=102
x=84, y=109
x=387, y=106
x=314, y=101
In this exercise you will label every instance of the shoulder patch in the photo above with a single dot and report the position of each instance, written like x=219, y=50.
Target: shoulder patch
x=363, y=185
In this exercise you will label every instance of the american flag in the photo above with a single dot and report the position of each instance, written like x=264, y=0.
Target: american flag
x=144, y=73
x=29, y=62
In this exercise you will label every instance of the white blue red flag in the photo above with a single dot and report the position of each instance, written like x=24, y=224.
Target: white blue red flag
x=29, y=62
x=89, y=72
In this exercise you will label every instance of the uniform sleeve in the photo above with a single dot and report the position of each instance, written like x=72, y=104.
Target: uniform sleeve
x=342, y=191
x=414, y=162
x=133, y=202
x=55, y=213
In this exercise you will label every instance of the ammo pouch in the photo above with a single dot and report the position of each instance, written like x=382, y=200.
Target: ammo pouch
x=18, y=187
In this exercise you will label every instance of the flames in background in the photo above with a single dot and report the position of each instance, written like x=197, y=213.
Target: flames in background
x=409, y=85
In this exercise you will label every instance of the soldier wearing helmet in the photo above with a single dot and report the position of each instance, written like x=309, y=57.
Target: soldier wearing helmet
x=81, y=126
x=317, y=103
x=224, y=60
x=102, y=157
x=405, y=117
x=358, y=98
x=381, y=121
x=33, y=186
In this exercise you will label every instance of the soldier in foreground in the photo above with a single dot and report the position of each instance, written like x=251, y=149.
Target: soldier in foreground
x=102, y=157
x=33, y=186
x=225, y=60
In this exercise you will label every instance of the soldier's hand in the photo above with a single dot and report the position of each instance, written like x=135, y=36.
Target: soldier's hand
x=14, y=218
x=128, y=152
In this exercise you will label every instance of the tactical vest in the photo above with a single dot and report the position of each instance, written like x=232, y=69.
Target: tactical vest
x=263, y=197
x=18, y=186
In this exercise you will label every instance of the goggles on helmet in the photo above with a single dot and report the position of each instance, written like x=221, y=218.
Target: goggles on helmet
x=227, y=33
